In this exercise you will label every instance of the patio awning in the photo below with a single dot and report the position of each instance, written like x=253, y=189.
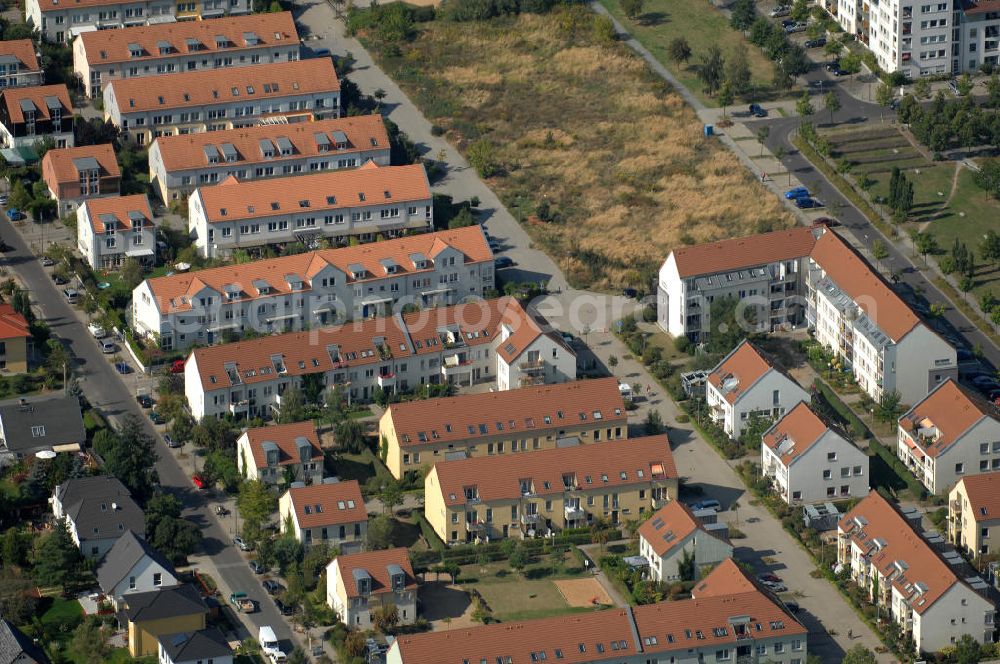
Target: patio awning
x=435, y=291
x=379, y=300
x=68, y=447
x=139, y=251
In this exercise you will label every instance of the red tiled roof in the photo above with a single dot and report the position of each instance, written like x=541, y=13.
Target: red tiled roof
x=738, y=371
x=945, y=414
x=605, y=464
x=321, y=505
x=744, y=252
x=112, y=46
x=208, y=87
x=507, y=413
x=888, y=537
x=801, y=426
x=974, y=7
x=369, y=185
x=727, y=578
x=853, y=275
x=12, y=98
x=119, y=207
x=24, y=51
x=983, y=492
x=285, y=437
x=376, y=563
x=58, y=167
x=187, y=151
x=668, y=527
x=175, y=292
x=12, y=324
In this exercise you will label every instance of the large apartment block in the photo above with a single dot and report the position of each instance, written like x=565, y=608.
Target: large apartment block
x=922, y=588
x=111, y=230
x=493, y=424
x=316, y=288
x=102, y=56
x=179, y=164
x=727, y=619
x=483, y=498
x=64, y=21
x=476, y=342
x=974, y=514
x=19, y=64
x=34, y=114
x=951, y=434
x=811, y=276
x=74, y=175
x=924, y=37
x=339, y=206
x=216, y=99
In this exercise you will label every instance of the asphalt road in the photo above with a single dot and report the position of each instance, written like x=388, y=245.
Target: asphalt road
x=913, y=282
x=107, y=392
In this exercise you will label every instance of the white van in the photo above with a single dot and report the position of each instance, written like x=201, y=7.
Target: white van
x=269, y=644
x=625, y=390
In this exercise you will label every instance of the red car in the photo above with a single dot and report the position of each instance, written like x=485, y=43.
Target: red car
x=177, y=367
x=198, y=481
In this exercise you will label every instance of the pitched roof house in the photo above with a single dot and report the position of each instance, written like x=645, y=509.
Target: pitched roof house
x=204, y=645
x=132, y=566
x=150, y=615
x=98, y=511
x=332, y=512
x=76, y=174
x=30, y=425
x=672, y=533
x=32, y=114
x=358, y=583
x=17, y=648
x=15, y=338
x=270, y=453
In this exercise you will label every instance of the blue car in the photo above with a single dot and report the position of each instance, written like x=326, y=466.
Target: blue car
x=798, y=192
x=14, y=214
x=502, y=261
x=807, y=203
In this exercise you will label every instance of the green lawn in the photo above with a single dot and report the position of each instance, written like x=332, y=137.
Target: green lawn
x=360, y=467
x=62, y=611
x=701, y=24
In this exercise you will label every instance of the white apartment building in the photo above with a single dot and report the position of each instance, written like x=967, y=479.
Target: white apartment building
x=744, y=385
x=808, y=462
x=361, y=203
x=359, y=583
x=19, y=64
x=727, y=617
x=846, y=303
x=62, y=21
x=764, y=272
x=462, y=345
x=314, y=289
x=950, y=434
x=102, y=56
x=109, y=230
x=179, y=164
x=30, y=115
x=331, y=512
x=906, y=576
x=217, y=99
x=280, y=453
x=673, y=532
x=924, y=37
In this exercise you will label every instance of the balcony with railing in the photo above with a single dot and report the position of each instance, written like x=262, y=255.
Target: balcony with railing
x=386, y=380
x=239, y=406
x=531, y=381
x=530, y=518
x=456, y=364
x=574, y=512
x=532, y=366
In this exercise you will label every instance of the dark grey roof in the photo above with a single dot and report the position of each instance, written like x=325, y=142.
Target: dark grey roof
x=229, y=151
x=105, y=518
x=195, y=646
x=86, y=164
x=51, y=101
x=27, y=105
x=99, y=486
x=7, y=59
x=122, y=559
x=60, y=419
x=284, y=144
x=164, y=603
x=339, y=137
x=16, y=647
x=321, y=138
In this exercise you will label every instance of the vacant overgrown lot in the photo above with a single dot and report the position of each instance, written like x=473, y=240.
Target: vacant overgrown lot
x=583, y=136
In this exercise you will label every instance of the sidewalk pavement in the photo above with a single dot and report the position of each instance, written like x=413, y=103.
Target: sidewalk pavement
x=594, y=552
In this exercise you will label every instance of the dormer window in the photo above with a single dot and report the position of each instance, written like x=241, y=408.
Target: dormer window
x=331, y=200
x=361, y=196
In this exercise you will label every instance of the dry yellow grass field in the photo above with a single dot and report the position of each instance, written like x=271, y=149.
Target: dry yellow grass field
x=581, y=123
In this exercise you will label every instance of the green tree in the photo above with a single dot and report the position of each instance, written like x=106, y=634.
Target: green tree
x=833, y=48
x=859, y=655
x=256, y=502
x=924, y=242
x=14, y=547
x=967, y=650
x=712, y=70
x=129, y=455
x=56, y=558
x=832, y=103
x=888, y=408
x=391, y=495
x=883, y=96
x=728, y=324
x=182, y=426
x=686, y=565
x=989, y=247
x=803, y=106
x=850, y=64
x=483, y=156
x=762, y=135
x=654, y=423
x=379, y=533
x=725, y=97
x=19, y=196
x=293, y=407
x=518, y=558
x=742, y=14
x=679, y=50
x=964, y=85
x=131, y=273
x=613, y=361
x=385, y=617
x=800, y=10
x=350, y=436
x=922, y=88
x=738, y=74
x=89, y=644
x=632, y=8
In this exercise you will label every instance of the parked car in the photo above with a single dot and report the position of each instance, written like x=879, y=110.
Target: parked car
x=199, y=482
x=630, y=293
x=242, y=544
x=964, y=354
x=123, y=368
x=807, y=203
x=71, y=295
x=772, y=578
x=283, y=608
x=145, y=400
x=501, y=262
x=256, y=567
x=953, y=86
x=177, y=367
x=96, y=331
x=711, y=504
x=59, y=280
x=783, y=10
x=494, y=244
x=795, y=27
x=3, y=199
x=272, y=587
x=108, y=347
x=171, y=442
x=829, y=222
x=837, y=71
x=156, y=418
x=797, y=192
x=14, y=214
x=757, y=111
x=833, y=64
x=321, y=53
x=815, y=43
x=774, y=587
x=787, y=22
x=988, y=382
x=240, y=600
x=47, y=262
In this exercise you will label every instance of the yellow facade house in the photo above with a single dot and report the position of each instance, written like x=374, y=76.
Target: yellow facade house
x=974, y=514
x=174, y=610
x=416, y=435
x=14, y=337
x=530, y=495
